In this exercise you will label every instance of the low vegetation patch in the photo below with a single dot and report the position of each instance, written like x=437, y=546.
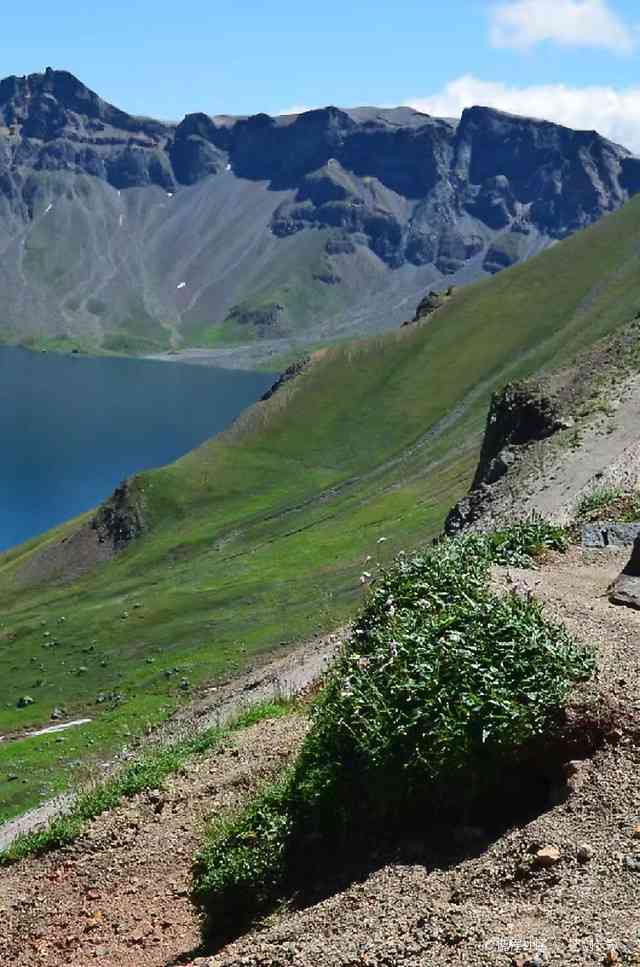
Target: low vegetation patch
x=522, y=544
x=441, y=685
x=148, y=771
x=612, y=502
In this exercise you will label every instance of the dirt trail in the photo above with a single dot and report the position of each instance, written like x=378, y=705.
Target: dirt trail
x=118, y=897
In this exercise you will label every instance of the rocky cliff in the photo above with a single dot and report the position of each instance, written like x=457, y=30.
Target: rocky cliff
x=521, y=414
x=136, y=234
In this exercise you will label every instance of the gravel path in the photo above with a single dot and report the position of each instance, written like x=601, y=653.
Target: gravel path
x=118, y=897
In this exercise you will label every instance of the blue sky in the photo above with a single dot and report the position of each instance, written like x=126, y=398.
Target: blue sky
x=575, y=61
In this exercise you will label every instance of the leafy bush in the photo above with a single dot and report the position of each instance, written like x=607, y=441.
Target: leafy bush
x=525, y=542
x=439, y=686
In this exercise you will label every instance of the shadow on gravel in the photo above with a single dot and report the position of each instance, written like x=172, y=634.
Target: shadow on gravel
x=434, y=836
x=540, y=780
x=187, y=957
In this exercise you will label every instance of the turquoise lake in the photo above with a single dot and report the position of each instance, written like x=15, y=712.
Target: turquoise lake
x=73, y=427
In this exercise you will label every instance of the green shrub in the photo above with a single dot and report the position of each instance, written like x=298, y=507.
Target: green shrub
x=526, y=541
x=613, y=501
x=601, y=498
x=440, y=685
x=243, y=864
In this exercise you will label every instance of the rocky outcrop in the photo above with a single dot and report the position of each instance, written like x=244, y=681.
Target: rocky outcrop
x=291, y=372
x=117, y=523
x=119, y=520
x=52, y=122
x=264, y=320
x=626, y=589
x=520, y=414
x=430, y=304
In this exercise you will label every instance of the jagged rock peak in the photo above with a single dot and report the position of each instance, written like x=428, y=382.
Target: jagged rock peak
x=48, y=105
x=389, y=186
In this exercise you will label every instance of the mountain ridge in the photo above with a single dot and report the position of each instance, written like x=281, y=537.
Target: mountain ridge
x=272, y=234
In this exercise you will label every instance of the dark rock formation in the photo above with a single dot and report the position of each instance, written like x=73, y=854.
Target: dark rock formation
x=119, y=520
x=520, y=414
x=430, y=304
x=455, y=199
x=53, y=122
x=116, y=523
x=290, y=373
x=626, y=589
x=263, y=319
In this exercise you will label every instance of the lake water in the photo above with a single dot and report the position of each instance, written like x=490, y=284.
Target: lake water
x=71, y=427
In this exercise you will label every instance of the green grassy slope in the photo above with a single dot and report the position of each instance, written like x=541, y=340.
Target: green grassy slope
x=260, y=536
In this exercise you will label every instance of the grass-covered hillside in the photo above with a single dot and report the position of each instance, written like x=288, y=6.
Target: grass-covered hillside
x=260, y=537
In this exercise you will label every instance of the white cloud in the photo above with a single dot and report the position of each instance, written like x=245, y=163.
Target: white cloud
x=613, y=112
x=521, y=24
x=296, y=109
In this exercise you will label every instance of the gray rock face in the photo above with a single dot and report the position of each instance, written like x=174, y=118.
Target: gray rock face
x=607, y=534
x=519, y=415
x=626, y=590
x=439, y=199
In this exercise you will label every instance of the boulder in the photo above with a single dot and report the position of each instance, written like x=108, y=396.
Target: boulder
x=626, y=589
x=610, y=534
